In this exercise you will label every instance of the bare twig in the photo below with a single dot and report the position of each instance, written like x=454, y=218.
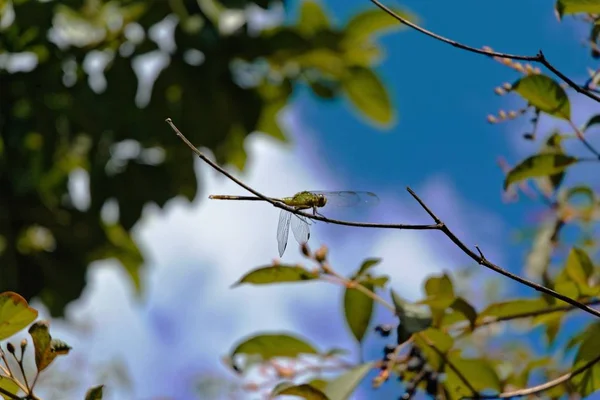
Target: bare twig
x=538, y=58
x=439, y=225
x=544, y=386
x=583, y=140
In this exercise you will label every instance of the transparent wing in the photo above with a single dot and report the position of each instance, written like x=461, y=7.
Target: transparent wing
x=283, y=230
x=347, y=198
x=300, y=229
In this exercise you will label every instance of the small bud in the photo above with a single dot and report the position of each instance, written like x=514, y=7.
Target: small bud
x=528, y=68
x=491, y=119
x=487, y=48
x=502, y=114
x=305, y=249
x=507, y=61
x=10, y=347
x=528, y=136
x=321, y=254
x=23, y=344
x=507, y=86
x=512, y=114
x=500, y=91
x=518, y=67
x=251, y=387
x=537, y=70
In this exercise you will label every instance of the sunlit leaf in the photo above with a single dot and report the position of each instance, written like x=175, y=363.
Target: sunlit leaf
x=15, y=314
x=94, y=393
x=442, y=341
x=440, y=292
x=9, y=385
x=588, y=381
x=342, y=387
x=277, y=274
x=478, y=372
x=413, y=318
x=312, y=18
x=579, y=266
x=368, y=94
x=509, y=308
x=367, y=265
x=271, y=345
x=538, y=165
x=538, y=257
x=545, y=94
x=595, y=120
x=358, y=309
x=305, y=391
x=566, y=7
x=46, y=348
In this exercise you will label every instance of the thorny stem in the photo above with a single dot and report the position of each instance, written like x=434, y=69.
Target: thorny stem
x=538, y=58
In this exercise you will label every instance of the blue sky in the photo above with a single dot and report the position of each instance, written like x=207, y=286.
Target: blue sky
x=441, y=146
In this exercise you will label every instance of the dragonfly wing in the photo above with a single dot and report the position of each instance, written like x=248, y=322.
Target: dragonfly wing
x=347, y=198
x=283, y=230
x=300, y=229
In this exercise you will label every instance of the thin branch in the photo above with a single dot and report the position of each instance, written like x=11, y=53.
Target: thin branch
x=488, y=264
x=583, y=140
x=538, y=58
x=544, y=386
x=283, y=206
x=439, y=225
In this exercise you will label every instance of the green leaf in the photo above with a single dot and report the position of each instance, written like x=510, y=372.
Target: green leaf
x=566, y=7
x=376, y=281
x=319, y=384
x=466, y=309
x=271, y=345
x=9, y=385
x=306, y=391
x=94, y=393
x=511, y=307
x=358, y=309
x=367, y=265
x=369, y=95
x=545, y=94
x=434, y=337
x=579, y=266
x=538, y=165
x=342, y=387
x=588, y=381
x=312, y=18
x=595, y=120
x=552, y=324
x=538, y=257
x=413, y=318
x=15, y=314
x=277, y=274
x=363, y=26
x=46, y=348
x=440, y=292
x=478, y=372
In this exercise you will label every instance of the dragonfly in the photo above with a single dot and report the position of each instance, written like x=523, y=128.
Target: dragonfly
x=306, y=200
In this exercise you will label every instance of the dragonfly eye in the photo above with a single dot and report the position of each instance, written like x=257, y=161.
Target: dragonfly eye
x=322, y=200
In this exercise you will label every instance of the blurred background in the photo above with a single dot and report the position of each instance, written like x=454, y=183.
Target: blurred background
x=105, y=222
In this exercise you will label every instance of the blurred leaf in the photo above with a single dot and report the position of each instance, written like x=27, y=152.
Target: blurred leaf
x=590, y=332
x=304, y=391
x=478, y=372
x=566, y=7
x=358, y=309
x=509, y=308
x=544, y=94
x=277, y=274
x=376, y=281
x=595, y=120
x=466, y=309
x=46, y=348
x=538, y=165
x=363, y=26
x=319, y=384
x=552, y=323
x=8, y=384
x=367, y=265
x=335, y=352
x=588, y=381
x=94, y=393
x=579, y=266
x=312, y=18
x=434, y=337
x=272, y=345
x=365, y=90
x=440, y=292
x=15, y=314
x=342, y=387
x=538, y=257
x=413, y=318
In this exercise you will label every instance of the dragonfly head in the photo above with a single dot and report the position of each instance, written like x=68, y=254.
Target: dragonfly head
x=321, y=200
